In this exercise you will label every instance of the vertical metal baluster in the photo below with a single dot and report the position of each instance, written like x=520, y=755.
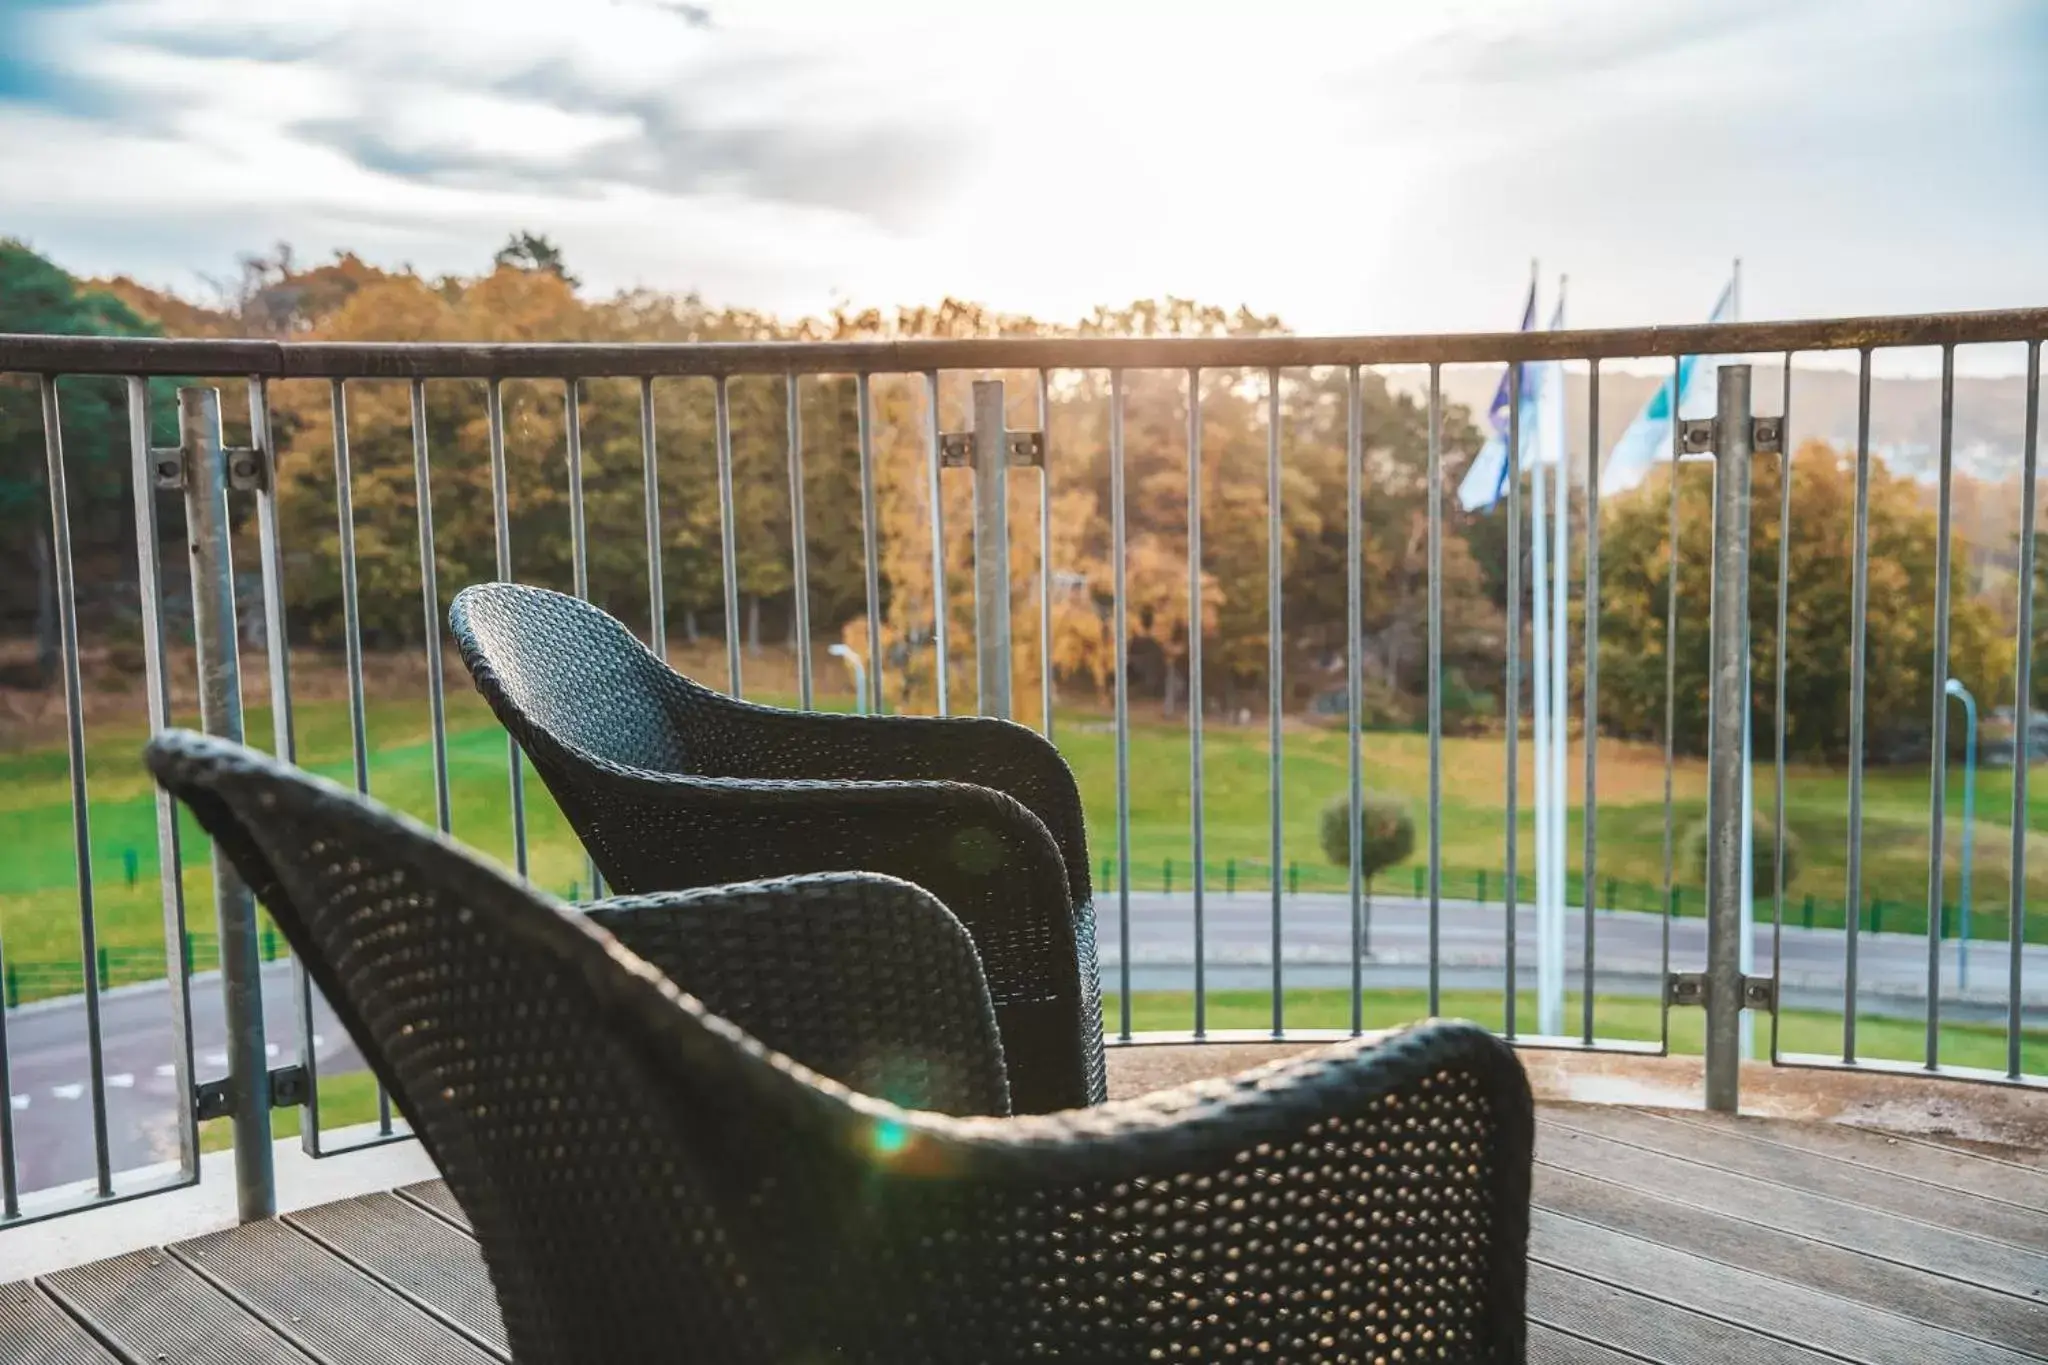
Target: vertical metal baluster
x=1727, y=721
x=2023, y=682
x=1123, y=702
x=211, y=562
x=169, y=843
x=799, y=552
x=352, y=645
x=650, y=485
x=1196, y=813
x=572, y=438
x=870, y=540
x=1588, y=879
x=1514, y=675
x=1274, y=684
x=1937, y=779
x=284, y=739
x=501, y=520
x=352, y=625
x=81, y=827
x=1436, y=687
x=942, y=665
x=1354, y=666
x=579, y=543
x=1859, y=605
x=1778, y=754
x=430, y=600
x=993, y=670
x=1045, y=554
x=1670, y=706
x=270, y=553
x=728, y=553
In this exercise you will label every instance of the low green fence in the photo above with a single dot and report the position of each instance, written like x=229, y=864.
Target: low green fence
x=1490, y=887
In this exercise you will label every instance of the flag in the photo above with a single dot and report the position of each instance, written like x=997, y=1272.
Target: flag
x=1486, y=481
x=1648, y=439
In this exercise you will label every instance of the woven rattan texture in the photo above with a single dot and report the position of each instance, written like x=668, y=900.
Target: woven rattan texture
x=649, y=1183
x=671, y=785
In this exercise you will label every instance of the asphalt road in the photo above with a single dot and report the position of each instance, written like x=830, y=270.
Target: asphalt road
x=50, y=1098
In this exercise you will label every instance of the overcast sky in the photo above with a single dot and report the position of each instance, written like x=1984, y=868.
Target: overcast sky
x=1355, y=166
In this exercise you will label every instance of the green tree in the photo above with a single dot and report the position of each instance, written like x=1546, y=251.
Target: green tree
x=531, y=251
x=1899, y=645
x=37, y=296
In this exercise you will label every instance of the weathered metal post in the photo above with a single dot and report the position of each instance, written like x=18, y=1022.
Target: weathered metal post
x=1727, y=706
x=204, y=474
x=991, y=549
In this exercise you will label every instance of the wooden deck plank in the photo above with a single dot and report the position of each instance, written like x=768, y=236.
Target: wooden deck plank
x=1863, y=1184
x=1548, y=1346
x=35, y=1331
x=153, y=1308
x=434, y=1194
x=1938, y=1164
x=1776, y=1308
x=1993, y=1265
x=316, y=1300
x=1648, y=1328
x=1849, y=1275
x=416, y=1254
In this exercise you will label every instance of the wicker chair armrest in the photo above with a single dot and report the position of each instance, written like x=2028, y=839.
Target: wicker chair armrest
x=767, y=742
x=863, y=978
x=986, y=858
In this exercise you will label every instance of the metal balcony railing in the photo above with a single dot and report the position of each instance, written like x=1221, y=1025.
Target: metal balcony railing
x=210, y=474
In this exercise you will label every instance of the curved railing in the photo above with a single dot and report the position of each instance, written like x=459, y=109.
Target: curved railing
x=1250, y=927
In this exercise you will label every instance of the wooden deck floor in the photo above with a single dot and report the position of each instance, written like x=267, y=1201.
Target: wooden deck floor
x=1657, y=1237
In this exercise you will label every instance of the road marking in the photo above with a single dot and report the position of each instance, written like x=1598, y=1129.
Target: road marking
x=318, y=1041
x=167, y=1070
x=216, y=1059
x=270, y=1049
x=122, y=1080
x=67, y=1092
x=18, y=1101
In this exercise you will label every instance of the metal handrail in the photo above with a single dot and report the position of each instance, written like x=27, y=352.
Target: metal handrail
x=616, y=360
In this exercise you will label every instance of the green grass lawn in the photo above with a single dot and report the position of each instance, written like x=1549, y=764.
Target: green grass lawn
x=39, y=900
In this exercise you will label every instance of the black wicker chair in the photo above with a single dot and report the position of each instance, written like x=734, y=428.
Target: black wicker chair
x=648, y=1182
x=672, y=785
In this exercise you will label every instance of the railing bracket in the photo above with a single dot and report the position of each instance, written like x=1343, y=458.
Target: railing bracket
x=1696, y=436
x=170, y=467
x=216, y=1099
x=247, y=471
x=1026, y=449
x=1690, y=988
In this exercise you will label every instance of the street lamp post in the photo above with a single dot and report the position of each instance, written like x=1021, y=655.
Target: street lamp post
x=860, y=675
x=1961, y=693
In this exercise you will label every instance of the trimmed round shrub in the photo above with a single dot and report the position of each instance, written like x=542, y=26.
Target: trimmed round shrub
x=1763, y=865
x=1387, y=827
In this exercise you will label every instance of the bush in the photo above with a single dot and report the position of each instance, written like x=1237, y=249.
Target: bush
x=1388, y=832
x=1763, y=863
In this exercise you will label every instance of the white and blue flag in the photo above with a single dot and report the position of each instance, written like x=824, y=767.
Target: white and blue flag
x=1486, y=480
x=1647, y=442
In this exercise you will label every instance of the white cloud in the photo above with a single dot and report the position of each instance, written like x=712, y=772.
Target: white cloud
x=1370, y=167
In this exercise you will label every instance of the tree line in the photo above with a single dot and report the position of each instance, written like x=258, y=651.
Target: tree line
x=529, y=296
